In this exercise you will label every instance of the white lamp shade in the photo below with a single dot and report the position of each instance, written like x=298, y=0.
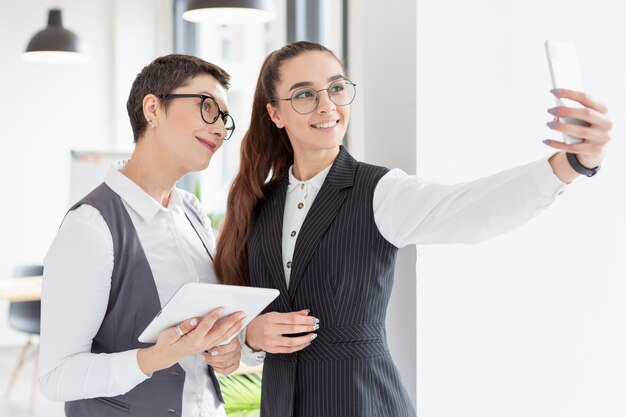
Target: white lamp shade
x=231, y=12
x=54, y=43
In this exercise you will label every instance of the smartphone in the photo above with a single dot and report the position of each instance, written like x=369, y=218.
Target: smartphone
x=565, y=73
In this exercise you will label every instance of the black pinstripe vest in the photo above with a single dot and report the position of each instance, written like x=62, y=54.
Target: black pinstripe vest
x=342, y=270
x=133, y=303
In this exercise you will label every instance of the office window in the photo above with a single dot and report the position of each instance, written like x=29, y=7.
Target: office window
x=240, y=50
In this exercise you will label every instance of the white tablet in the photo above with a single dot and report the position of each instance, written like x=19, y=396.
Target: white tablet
x=196, y=299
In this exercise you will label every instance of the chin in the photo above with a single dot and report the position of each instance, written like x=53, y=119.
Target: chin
x=205, y=165
x=335, y=143
x=200, y=165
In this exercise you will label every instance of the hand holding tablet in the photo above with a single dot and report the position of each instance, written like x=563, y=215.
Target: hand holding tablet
x=198, y=299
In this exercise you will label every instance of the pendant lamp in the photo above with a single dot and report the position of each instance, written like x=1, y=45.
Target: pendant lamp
x=54, y=43
x=230, y=12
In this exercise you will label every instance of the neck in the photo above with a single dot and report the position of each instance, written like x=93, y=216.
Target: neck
x=306, y=165
x=147, y=169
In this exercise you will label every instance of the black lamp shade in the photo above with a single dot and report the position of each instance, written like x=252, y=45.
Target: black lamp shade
x=54, y=43
x=230, y=11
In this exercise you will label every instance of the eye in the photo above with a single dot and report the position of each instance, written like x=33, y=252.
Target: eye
x=337, y=88
x=207, y=106
x=304, y=94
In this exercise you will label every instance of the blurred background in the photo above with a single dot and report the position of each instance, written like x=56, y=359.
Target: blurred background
x=529, y=323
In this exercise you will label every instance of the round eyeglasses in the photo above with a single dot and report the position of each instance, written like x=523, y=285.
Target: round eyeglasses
x=209, y=111
x=305, y=100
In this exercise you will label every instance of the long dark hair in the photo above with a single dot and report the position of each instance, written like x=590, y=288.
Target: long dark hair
x=265, y=155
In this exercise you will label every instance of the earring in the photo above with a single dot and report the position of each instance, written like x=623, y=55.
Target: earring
x=149, y=122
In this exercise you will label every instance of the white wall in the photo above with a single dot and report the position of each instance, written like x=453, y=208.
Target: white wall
x=382, y=57
x=530, y=323
x=47, y=109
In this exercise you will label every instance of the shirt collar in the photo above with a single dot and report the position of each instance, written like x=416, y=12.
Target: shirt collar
x=317, y=181
x=140, y=201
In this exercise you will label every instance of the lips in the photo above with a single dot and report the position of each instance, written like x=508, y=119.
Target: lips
x=208, y=144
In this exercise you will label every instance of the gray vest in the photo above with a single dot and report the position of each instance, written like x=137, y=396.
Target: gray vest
x=133, y=303
x=342, y=270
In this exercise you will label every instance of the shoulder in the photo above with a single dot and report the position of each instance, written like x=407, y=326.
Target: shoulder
x=345, y=161
x=85, y=217
x=98, y=197
x=369, y=173
x=83, y=230
x=372, y=169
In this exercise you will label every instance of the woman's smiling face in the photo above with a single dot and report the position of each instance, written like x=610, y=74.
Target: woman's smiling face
x=325, y=126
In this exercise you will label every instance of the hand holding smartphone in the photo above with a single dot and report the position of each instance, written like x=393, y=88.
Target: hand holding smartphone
x=565, y=73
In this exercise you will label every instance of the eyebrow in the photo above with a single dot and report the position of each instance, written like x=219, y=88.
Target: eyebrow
x=309, y=83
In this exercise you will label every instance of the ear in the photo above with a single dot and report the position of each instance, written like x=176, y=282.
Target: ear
x=150, y=109
x=274, y=115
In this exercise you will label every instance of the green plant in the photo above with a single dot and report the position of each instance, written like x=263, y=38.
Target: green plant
x=216, y=220
x=242, y=394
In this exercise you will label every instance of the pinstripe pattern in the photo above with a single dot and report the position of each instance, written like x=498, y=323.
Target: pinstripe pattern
x=343, y=272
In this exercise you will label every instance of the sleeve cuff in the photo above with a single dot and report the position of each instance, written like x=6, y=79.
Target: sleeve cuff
x=546, y=181
x=248, y=356
x=128, y=364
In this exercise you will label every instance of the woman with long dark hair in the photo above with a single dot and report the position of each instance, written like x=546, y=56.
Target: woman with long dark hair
x=306, y=218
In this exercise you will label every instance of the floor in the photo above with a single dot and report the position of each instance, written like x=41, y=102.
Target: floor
x=18, y=404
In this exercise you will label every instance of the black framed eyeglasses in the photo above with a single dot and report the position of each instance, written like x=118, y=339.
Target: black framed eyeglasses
x=209, y=111
x=305, y=100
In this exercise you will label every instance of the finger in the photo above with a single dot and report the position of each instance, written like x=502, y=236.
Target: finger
x=232, y=321
x=589, y=115
x=174, y=334
x=225, y=362
x=232, y=347
x=231, y=332
x=186, y=326
x=222, y=361
x=225, y=329
x=585, y=132
x=562, y=146
x=294, y=318
x=295, y=341
x=297, y=328
x=206, y=324
x=581, y=97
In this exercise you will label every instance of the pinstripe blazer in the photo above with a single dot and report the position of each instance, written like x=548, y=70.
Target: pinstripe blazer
x=343, y=272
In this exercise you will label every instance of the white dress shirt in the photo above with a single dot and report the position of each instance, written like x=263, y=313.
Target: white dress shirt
x=298, y=201
x=409, y=210
x=76, y=284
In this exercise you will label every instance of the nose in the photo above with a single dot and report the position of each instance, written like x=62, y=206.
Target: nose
x=325, y=104
x=218, y=129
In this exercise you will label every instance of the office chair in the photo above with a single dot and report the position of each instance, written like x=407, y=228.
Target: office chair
x=25, y=316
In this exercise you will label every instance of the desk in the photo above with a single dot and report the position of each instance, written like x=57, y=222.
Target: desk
x=21, y=289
